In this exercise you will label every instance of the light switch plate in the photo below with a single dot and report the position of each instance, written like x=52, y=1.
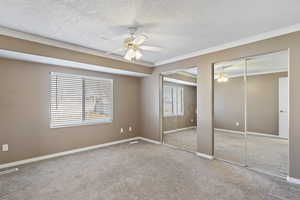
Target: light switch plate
x=121, y=130
x=130, y=129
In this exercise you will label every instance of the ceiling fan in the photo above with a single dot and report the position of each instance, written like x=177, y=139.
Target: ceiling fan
x=133, y=45
x=222, y=76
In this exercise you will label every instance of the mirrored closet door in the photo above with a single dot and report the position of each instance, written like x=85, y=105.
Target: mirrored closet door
x=229, y=111
x=179, y=109
x=267, y=113
x=251, y=106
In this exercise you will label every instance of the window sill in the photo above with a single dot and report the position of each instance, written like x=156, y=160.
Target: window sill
x=94, y=122
x=181, y=115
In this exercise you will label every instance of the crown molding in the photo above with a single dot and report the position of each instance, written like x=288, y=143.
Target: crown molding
x=65, y=45
x=247, y=40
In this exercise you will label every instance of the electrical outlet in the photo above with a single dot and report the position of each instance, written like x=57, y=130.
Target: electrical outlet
x=122, y=130
x=237, y=123
x=130, y=128
x=5, y=147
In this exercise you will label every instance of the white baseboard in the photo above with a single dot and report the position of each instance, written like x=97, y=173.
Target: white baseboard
x=293, y=180
x=149, y=140
x=250, y=133
x=180, y=129
x=229, y=131
x=203, y=155
x=64, y=153
x=30, y=160
x=11, y=170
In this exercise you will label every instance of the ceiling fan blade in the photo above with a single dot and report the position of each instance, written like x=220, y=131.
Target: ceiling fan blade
x=140, y=39
x=114, y=38
x=151, y=48
x=115, y=51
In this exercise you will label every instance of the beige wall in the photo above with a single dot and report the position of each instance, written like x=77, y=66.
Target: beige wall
x=262, y=112
x=205, y=91
x=29, y=47
x=24, y=112
x=151, y=102
x=190, y=104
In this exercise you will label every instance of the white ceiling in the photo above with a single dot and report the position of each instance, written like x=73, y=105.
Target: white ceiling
x=180, y=27
x=263, y=64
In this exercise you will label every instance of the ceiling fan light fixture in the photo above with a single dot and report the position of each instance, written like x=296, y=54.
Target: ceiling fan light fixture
x=126, y=57
x=133, y=54
x=222, y=78
x=138, y=54
x=134, y=46
x=130, y=54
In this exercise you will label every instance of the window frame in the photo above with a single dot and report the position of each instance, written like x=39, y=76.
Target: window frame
x=82, y=122
x=175, y=112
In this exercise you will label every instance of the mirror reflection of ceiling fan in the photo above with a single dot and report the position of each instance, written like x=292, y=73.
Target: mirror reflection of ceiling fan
x=134, y=46
x=221, y=76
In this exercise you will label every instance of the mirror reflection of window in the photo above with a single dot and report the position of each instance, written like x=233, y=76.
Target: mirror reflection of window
x=179, y=101
x=168, y=101
x=173, y=101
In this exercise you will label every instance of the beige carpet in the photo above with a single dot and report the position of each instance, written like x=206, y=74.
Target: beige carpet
x=263, y=153
x=140, y=171
x=186, y=140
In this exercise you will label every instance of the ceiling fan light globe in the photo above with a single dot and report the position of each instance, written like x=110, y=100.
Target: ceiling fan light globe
x=126, y=57
x=222, y=79
x=138, y=54
x=130, y=54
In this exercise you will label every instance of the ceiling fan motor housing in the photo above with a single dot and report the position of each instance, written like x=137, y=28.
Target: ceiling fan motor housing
x=130, y=44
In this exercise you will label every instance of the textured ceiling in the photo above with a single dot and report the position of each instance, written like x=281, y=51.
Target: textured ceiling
x=180, y=27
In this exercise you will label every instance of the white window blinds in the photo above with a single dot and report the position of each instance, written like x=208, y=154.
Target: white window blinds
x=173, y=101
x=77, y=100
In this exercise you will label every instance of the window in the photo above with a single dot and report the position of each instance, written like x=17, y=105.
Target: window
x=77, y=100
x=173, y=101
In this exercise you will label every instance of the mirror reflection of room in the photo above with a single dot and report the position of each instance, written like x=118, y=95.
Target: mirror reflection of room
x=229, y=108
x=267, y=113
x=251, y=112
x=179, y=109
